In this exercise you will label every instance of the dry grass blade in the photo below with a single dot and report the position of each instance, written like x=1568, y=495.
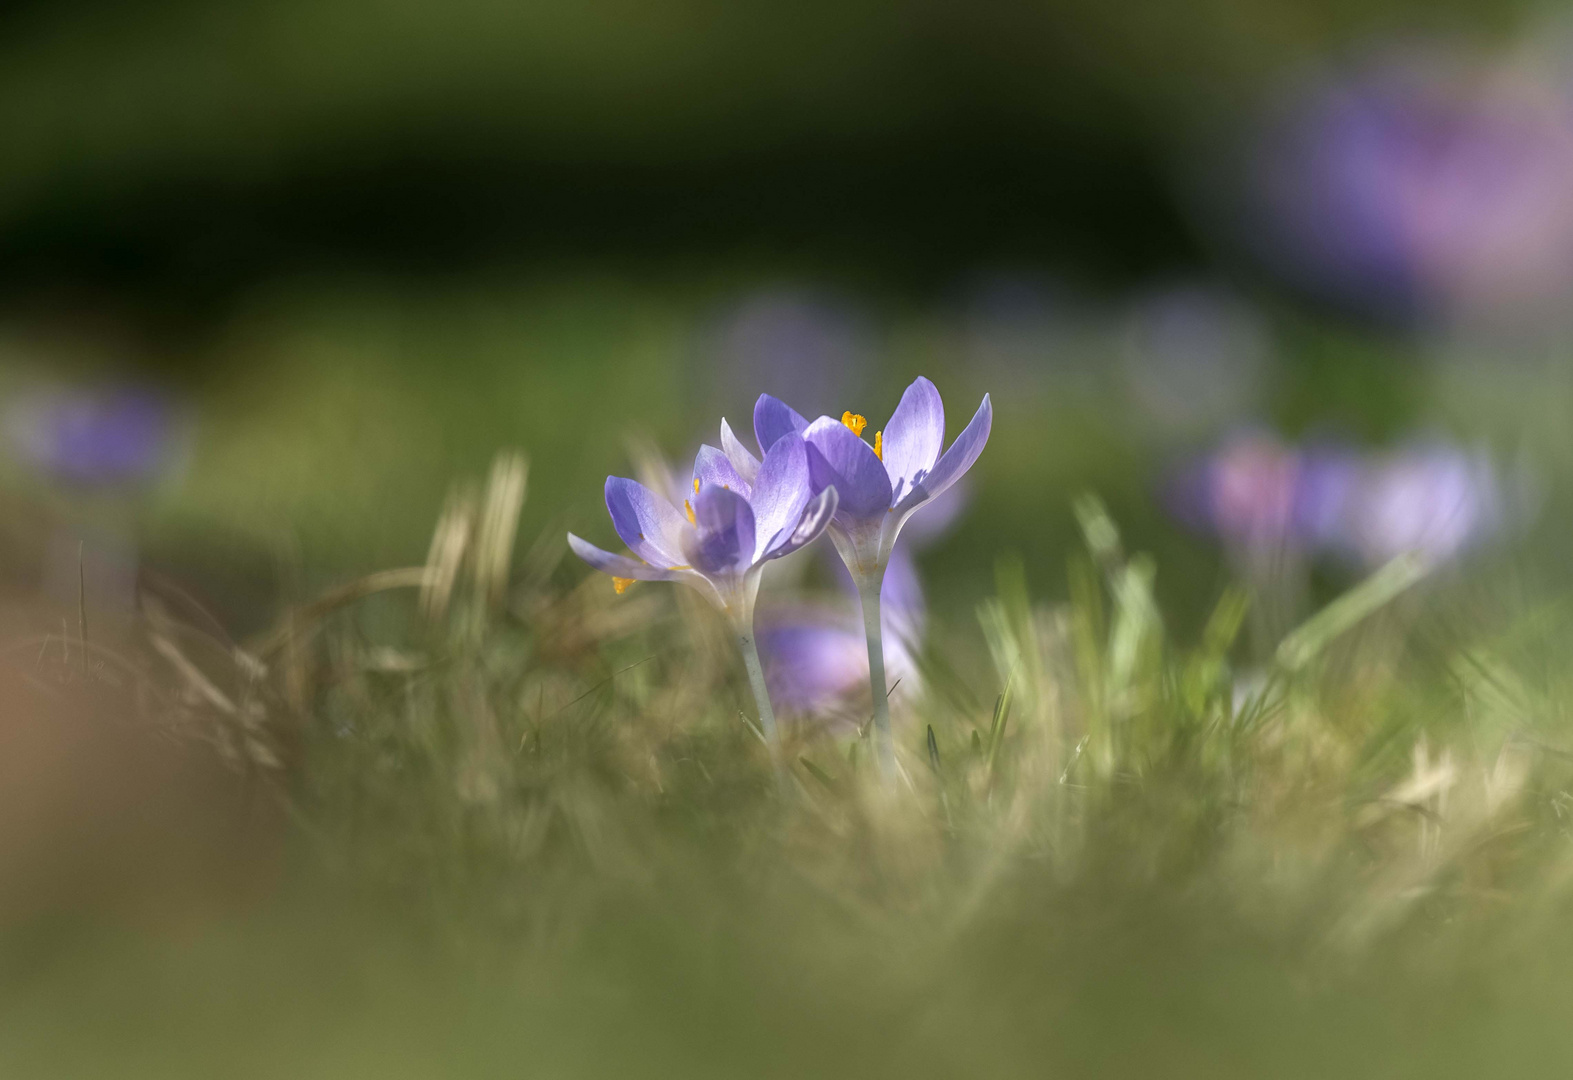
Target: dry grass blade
x=304, y=620
x=449, y=542
x=505, y=490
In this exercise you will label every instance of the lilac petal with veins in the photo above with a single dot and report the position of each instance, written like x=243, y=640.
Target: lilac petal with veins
x=914, y=437
x=617, y=565
x=711, y=466
x=652, y=527
x=746, y=464
x=818, y=514
x=774, y=418
x=780, y=493
x=954, y=463
x=838, y=458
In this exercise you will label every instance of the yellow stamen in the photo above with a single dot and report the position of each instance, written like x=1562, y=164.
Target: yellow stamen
x=621, y=584
x=696, y=485
x=855, y=422
x=879, y=447
x=689, y=510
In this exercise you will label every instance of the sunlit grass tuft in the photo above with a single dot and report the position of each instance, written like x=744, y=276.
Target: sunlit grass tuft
x=533, y=833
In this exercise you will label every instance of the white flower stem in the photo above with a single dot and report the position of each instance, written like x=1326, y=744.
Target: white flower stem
x=868, y=587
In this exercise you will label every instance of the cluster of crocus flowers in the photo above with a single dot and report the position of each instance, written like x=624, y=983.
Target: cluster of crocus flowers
x=1264, y=498
x=808, y=477
x=880, y=487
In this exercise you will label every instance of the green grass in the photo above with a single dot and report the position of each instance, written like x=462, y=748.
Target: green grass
x=533, y=836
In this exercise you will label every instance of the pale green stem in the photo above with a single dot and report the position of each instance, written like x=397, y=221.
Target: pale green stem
x=756, y=679
x=885, y=750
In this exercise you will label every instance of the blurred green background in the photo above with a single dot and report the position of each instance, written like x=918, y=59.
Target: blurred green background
x=364, y=243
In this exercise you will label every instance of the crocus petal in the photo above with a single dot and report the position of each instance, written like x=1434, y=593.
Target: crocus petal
x=746, y=464
x=722, y=540
x=914, y=437
x=955, y=461
x=837, y=458
x=774, y=418
x=617, y=565
x=652, y=527
x=714, y=467
x=781, y=492
x=816, y=516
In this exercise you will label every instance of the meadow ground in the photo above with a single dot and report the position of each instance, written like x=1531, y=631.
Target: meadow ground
x=480, y=816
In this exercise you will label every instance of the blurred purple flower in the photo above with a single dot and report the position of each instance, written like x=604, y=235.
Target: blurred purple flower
x=1258, y=495
x=938, y=516
x=1244, y=493
x=1327, y=482
x=816, y=658
x=94, y=438
x=1435, y=500
x=1421, y=186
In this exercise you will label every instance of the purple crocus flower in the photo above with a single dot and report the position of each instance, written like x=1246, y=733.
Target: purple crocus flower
x=880, y=487
x=108, y=441
x=1252, y=491
x=721, y=538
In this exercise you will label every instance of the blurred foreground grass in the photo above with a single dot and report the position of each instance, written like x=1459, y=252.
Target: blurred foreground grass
x=527, y=832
